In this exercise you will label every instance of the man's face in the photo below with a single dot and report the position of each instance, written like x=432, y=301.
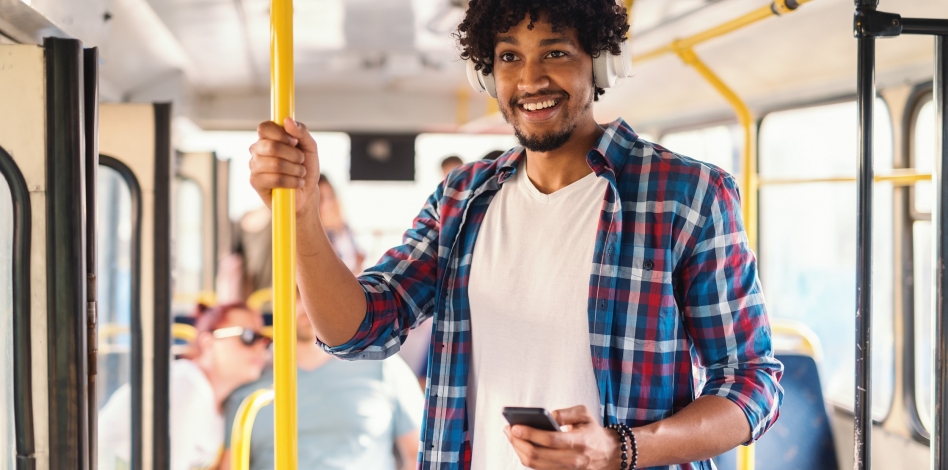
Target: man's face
x=544, y=83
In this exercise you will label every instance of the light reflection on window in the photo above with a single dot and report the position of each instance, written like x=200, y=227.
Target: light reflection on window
x=808, y=240
x=923, y=157
x=188, y=237
x=715, y=145
x=114, y=295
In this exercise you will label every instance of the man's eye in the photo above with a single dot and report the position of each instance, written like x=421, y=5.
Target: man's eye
x=508, y=57
x=557, y=54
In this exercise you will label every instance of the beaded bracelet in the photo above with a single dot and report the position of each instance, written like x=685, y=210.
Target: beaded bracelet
x=625, y=435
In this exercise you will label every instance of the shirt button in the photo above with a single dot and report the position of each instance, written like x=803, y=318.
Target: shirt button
x=602, y=303
x=648, y=265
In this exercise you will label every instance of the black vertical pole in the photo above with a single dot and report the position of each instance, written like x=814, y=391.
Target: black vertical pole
x=865, y=96
x=940, y=220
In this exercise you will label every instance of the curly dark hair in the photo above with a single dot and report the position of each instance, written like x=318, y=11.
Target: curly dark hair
x=601, y=25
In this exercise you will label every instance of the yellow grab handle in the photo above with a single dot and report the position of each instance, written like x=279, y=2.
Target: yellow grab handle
x=745, y=457
x=284, y=248
x=243, y=427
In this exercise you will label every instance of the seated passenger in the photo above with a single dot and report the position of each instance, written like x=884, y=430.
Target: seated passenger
x=351, y=414
x=229, y=351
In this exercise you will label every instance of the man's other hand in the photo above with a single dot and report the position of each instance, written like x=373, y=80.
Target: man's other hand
x=586, y=445
x=285, y=157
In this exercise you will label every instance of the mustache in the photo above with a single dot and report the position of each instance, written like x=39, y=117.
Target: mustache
x=525, y=96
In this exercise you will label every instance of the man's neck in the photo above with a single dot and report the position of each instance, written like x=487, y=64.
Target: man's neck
x=557, y=169
x=309, y=356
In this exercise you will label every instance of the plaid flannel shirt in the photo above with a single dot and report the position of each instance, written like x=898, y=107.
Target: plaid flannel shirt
x=675, y=306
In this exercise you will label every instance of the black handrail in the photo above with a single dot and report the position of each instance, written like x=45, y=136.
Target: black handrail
x=91, y=101
x=65, y=255
x=865, y=100
x=22, y=339
x=162, y=266
x=940, y=216
x=868, y=25
x=135, y=315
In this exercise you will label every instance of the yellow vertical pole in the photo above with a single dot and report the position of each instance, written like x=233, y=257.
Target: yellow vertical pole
x=746, y=120
x=284, y=247
x=745, y=454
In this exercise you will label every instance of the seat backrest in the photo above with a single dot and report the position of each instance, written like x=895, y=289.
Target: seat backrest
x=802, y=437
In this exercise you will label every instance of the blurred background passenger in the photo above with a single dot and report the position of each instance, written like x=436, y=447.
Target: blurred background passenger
x=450, y=163
x=351, y=414
x=229, y=351
x=493, y=154
x=249, y=268
x=330, y=212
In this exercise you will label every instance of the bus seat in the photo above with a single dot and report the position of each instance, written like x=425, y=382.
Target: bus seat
x=802, y=437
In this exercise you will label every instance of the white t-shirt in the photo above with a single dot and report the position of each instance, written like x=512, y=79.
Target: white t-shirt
x=529, y=290
x=197, y=428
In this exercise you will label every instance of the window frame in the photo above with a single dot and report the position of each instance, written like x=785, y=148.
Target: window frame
x=22, y=335
x=919, y=97
x=136, y=359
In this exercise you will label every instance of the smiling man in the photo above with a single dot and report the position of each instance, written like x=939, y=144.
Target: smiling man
x=588, y=272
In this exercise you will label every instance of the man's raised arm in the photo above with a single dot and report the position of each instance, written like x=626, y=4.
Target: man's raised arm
x=287, y=158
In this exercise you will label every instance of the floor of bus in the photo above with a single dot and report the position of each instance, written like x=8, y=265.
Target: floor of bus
x=889, y=450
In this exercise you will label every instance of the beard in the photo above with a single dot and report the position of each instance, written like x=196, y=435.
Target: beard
x=551, y=140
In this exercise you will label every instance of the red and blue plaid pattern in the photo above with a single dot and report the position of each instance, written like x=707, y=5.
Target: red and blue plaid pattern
x=675, y=305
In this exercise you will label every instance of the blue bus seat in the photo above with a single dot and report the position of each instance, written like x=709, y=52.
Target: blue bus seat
x=802, y=437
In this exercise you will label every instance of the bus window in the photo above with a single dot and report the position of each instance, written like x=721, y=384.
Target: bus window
x=114, y=291
x=808, y=239
x=923, y=157
x=7, y=443
x=188, y=237
x=718, y=145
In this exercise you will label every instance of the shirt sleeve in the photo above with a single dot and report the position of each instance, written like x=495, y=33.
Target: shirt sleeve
x=399, y=290
x=408, y=401
x=724, y=310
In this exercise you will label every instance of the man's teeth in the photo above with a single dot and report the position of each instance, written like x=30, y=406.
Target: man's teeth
x=540, y=105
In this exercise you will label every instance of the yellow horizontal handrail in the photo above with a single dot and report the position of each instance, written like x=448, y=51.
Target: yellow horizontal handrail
x=778, y=7
x=207, y=297
x=896, y=178
x=243, y=427
x=260, y=297
x=180, y=331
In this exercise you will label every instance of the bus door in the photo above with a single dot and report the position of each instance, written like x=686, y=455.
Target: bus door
x=46, y=129
x=134, y=288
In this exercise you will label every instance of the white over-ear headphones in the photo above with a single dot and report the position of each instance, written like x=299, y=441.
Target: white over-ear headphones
x=608, y=71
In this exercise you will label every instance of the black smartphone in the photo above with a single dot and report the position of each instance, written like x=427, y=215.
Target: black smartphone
x=537, y=418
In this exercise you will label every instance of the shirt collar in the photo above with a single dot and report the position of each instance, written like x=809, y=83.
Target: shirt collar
x=609, y=153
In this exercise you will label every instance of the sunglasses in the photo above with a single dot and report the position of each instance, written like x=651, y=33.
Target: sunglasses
x=247, y=336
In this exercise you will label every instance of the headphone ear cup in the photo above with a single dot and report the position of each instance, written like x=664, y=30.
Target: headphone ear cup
x=490, y=86
x=610, y=69
x=480, y=82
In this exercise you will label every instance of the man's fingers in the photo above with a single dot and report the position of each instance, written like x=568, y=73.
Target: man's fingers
x=269, y=181
x=277, y=165
x=273, y=148
x=299, y=131
x=553, y=440
x=539, y=457
x=573, y=416
x=272, y=131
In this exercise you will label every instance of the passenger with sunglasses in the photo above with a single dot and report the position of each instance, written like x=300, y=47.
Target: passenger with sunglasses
x=229, y=352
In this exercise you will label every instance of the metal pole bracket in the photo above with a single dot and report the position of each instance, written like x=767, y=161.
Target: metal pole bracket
x=869, y=23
